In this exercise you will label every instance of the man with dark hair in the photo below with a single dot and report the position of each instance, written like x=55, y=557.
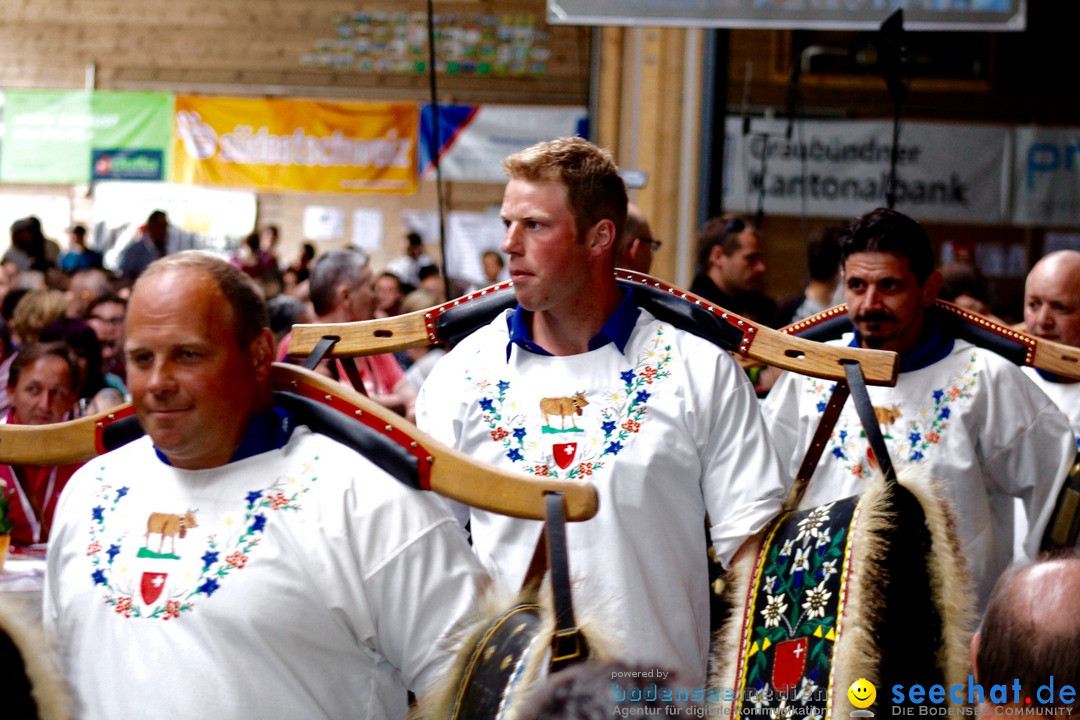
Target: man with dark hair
x=151, y=243
x=79, y=256
x=731, y=270
x=823, y=273
x=636, y=245
x=342, y=289
x=579, y=383
x=106, y=316
x=42, y=388
x=407, y=267
x=968, y=417
x=1029, y=641
x=300, y=580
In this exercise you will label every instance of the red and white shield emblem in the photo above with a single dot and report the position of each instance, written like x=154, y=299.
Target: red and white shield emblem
x=151, y=586
x=788, y=664
x=564, y=454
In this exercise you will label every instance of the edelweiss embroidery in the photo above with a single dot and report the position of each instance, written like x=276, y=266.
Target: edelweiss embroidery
x=793, y=623
x=909, y=438
x=223, y=553
x=615, y=418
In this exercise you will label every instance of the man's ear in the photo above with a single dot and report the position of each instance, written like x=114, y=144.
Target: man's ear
x=262, y=354
x=601, y=237
x=716, y=254
x=931, y=288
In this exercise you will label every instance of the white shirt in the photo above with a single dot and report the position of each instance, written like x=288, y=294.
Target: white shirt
x=313, y=586
x=669, y=429
x=971, y=420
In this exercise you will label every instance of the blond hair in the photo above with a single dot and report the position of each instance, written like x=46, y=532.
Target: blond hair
x=594, y=189
x=37, y=309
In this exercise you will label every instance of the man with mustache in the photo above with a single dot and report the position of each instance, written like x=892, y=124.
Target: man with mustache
x=966, y=416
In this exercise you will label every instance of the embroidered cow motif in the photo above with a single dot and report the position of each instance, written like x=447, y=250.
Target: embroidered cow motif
x=887, y=415
x=563, y=407
x=168, y=525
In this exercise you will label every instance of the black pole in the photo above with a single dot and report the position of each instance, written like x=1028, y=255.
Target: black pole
x=434, y=147
x=890, y=44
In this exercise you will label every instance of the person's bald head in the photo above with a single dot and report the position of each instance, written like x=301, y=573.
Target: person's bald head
x=1031, y=629
x=1052, y=298
x=635, y=250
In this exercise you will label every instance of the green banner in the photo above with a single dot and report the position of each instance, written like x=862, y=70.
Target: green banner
x=63, y=136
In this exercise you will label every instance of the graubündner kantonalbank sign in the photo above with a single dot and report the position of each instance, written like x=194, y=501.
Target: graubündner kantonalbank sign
x=945, y=172
x=278, y=144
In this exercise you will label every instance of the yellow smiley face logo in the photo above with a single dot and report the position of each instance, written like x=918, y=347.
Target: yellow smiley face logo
x=862, y=693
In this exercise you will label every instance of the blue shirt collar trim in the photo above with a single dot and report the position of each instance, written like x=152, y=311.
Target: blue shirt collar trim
x=933, y=347
x=617, y=329
x=268, y=431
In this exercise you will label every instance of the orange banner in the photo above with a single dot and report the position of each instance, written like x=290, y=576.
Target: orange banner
x=296, y=144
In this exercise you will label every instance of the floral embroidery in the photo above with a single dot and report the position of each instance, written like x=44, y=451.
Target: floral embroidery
x=912, y=442
x=222, y=556
x=795, y=607
x=621, y=417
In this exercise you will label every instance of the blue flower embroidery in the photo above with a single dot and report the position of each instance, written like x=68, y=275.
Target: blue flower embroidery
x=209, y=587
x=519, y=433
x=627, y=377
x=615, y=447
x=838, y=452
x=914, y=437
x=503, y=386
x=486, y=404
x=945, y=413
x=98, y=513
x=209, y=558
x=253, y=497
x=98, y=577
x=821, y=406
x=916, y=456
x=514, y=455
x=938, y=394
x=642, y=396
x=609, y=427
x=121, y=492
x=113, y=551
x=258, y=524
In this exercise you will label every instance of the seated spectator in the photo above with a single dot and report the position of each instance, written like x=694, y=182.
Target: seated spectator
x=78, y=256
x=42, y=390
x=343, y=290
x=85, y=287
x=286, y=311
x=407, y=266
x=432, y=281
x=34, y=311
x=106, y=316
x=97, y=390
x=964, y=284
x=388, y=295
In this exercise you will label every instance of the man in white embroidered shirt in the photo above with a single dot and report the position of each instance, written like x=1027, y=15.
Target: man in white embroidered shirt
x=578, y=383
x=965, y=415
x=234, y=564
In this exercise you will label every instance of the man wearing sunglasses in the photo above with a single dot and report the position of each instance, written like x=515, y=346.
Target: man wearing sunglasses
x=731, y=269
x=636, y=244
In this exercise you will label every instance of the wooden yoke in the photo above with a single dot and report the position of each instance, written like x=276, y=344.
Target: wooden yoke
x=1019, y=347
x=454, y=320
x=386, y=439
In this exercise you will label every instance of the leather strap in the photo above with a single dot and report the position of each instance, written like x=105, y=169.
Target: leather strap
x=321, y=348
x=817, y=445
x=568, y=645
x=865, y=409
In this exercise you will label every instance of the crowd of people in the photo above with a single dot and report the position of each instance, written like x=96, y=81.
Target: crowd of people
x=256, y=568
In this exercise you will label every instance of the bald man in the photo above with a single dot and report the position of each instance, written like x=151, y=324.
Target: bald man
x=636, y=244
x=1025, y=654
x=1052, y=312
